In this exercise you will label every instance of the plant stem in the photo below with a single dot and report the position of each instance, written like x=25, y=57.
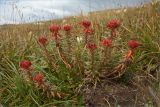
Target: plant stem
x=51, y=62
x=113, y=34
x=63, y=58
x=86, y=39
x=92, y=61
x=29, y=74
x=68, y=42
x=105, y=56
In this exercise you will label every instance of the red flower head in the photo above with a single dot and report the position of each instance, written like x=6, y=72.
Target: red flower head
x=133, y=44
x=25, y=64
x=38, y=78
x=106, y=42
x=88, y=31
x=113, y=24
x=91, y=46
x=54, y=28
x=86, y=23
x=42, y=40
x=67, y=27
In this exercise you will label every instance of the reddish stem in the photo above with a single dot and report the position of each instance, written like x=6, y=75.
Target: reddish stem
x=68, y=34
x=86, y=39
x=63, y=58
x=113, y=34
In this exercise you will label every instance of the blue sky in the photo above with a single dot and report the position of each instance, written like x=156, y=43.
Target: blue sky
x=21, y=11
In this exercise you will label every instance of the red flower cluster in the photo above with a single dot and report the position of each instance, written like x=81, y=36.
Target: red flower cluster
x=42, y=40
x=25, y=64
x=86, y=23
x=88, y=31
x=91, y=46
x=113, y=24
x=106, y=42
x=55, y=32
x=67, y=27
x=38, y=78
x=133, y=44
x=54, y=28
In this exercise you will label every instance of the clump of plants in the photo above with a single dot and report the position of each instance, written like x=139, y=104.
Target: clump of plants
x=79, y=60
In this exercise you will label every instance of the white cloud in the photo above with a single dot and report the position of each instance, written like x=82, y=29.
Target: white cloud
x=33, y=10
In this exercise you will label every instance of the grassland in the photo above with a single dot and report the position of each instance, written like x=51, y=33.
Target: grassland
x=81, y=85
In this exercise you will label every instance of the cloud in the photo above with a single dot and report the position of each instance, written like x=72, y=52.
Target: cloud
x=33, y=10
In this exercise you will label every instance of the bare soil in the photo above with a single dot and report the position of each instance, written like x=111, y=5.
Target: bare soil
x=111, y=94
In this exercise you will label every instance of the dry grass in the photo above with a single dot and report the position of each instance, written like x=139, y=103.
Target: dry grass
x=140, y=81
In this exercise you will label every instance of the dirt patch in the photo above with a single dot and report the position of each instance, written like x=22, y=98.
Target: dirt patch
x=112, y=95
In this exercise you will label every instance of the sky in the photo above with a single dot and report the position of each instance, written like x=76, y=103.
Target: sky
x=23, y=11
